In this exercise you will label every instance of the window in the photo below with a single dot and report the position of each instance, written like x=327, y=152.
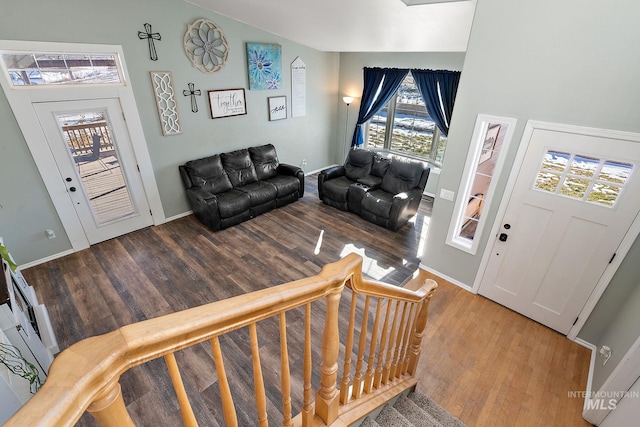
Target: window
x=582, y=177
x=31, y=68
x=404, y=126
x=490, y=141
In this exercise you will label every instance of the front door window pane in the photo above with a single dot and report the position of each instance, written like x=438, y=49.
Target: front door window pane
x=582, y=177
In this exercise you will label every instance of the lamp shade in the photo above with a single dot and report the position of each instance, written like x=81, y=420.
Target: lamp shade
x=347, y=99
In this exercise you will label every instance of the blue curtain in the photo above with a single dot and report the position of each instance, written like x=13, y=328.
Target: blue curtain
x=427, y=82
x=380, y=84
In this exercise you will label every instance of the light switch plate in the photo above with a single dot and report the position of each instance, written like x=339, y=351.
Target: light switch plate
x=447, y=194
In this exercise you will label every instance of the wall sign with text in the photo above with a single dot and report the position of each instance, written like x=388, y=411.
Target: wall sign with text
x=227, y=102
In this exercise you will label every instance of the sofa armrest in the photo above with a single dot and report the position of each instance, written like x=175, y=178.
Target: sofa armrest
x=205, y=207
x=326, y=175
x=286, y=169
x=405, y=205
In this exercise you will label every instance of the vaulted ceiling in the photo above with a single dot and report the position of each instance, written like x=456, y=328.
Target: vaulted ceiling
x=357, y=25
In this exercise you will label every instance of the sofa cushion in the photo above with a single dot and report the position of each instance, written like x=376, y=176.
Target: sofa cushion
x=380, y=166
x=259, y=192
x=239, y=167
x=265, y=161
x=208, y=174
x=401, y=176
x=285, y=185
x=358, y=164
x=232, y=203
x=378, y=203
x=337, y=189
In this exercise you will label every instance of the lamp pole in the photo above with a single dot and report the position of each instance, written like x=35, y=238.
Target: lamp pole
x=347, y=100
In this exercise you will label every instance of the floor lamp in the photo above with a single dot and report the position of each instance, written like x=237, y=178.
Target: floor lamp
x=347, y=100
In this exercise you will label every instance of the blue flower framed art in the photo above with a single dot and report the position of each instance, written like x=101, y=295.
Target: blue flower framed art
x=264, y=62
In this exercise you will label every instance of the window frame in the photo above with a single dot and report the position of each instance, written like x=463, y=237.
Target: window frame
x=483, y=121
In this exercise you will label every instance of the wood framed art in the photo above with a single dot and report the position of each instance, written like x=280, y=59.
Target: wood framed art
x=277, y=107
x=227, y=102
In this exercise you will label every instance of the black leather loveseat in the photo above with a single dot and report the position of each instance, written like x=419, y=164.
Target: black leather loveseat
x=226, y=189
x=385, y=191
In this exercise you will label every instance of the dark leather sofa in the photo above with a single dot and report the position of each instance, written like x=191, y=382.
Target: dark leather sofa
x=226, y=189
x=385, y=191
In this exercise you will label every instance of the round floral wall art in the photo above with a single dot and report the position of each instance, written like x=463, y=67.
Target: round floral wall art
x=206, y=46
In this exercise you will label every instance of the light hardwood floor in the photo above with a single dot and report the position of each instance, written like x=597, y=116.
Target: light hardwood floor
x=484, y=363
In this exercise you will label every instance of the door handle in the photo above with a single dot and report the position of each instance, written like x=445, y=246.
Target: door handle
x=503, y=237
x=72, y=189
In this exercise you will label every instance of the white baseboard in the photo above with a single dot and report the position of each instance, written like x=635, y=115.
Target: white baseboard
x=182, y=215
x=592, y=364
x=447, y=278
x=45, y=259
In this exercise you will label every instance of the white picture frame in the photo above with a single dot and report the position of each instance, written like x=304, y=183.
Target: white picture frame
x=277, y=107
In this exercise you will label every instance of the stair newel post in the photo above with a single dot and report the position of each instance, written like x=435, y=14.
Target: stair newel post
x=109, y=408
x=327, y=397
x=417, y=333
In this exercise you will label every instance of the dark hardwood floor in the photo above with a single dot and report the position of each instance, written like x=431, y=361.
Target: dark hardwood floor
x=181, y=264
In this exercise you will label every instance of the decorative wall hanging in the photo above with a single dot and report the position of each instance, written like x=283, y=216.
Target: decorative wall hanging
x=265, y=66
x=277, y=107
x=165, y=99
x=151, y=37
x=192, y=92
x=298, y=88
x=205, y=45
x=227, y=102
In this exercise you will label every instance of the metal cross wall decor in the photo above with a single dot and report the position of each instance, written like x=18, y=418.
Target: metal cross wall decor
x=147, y=34
x=191, y=92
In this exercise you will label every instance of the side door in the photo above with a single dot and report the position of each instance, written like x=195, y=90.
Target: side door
x=90, y=144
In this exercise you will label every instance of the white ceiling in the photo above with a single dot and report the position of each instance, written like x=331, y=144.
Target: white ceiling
x=356, y=25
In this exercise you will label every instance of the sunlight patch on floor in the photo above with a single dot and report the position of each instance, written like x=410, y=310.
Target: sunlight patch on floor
x=370, y=266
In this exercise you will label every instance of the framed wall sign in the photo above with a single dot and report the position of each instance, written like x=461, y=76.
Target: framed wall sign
x=227, y=102
x=277, y=107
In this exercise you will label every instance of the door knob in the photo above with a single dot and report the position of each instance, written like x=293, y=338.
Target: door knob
x=72, y=189
x=68, y=179
x=507, y=226
x=503, y=237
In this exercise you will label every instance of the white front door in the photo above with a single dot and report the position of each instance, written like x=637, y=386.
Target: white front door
x=572, y=203
x=90, y=144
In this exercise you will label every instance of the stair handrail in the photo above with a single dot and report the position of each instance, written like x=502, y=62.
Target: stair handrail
x=86, y=375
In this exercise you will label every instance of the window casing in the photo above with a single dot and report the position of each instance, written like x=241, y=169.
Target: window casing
x=404, y=127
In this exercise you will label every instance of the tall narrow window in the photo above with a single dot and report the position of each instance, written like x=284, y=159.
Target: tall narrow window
x=482, y=169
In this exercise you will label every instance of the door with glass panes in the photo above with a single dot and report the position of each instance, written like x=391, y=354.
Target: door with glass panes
x=574, y=199
x=92, y=150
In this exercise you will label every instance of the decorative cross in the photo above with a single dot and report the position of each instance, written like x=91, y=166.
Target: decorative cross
x=147, y=34
x=191, y=92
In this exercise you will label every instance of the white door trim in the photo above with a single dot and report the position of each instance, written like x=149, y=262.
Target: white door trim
x=21, y=101
x=622, y=250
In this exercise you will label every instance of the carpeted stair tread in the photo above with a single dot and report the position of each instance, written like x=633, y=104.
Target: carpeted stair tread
x=390, y=417
x=368, y=422
x=415, y=414
x=435, y=410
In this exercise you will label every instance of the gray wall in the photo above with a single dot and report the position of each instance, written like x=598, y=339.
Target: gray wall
x=571, y=62
x=25, y=207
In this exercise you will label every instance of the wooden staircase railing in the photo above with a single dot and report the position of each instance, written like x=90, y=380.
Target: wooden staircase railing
x=385, y=323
